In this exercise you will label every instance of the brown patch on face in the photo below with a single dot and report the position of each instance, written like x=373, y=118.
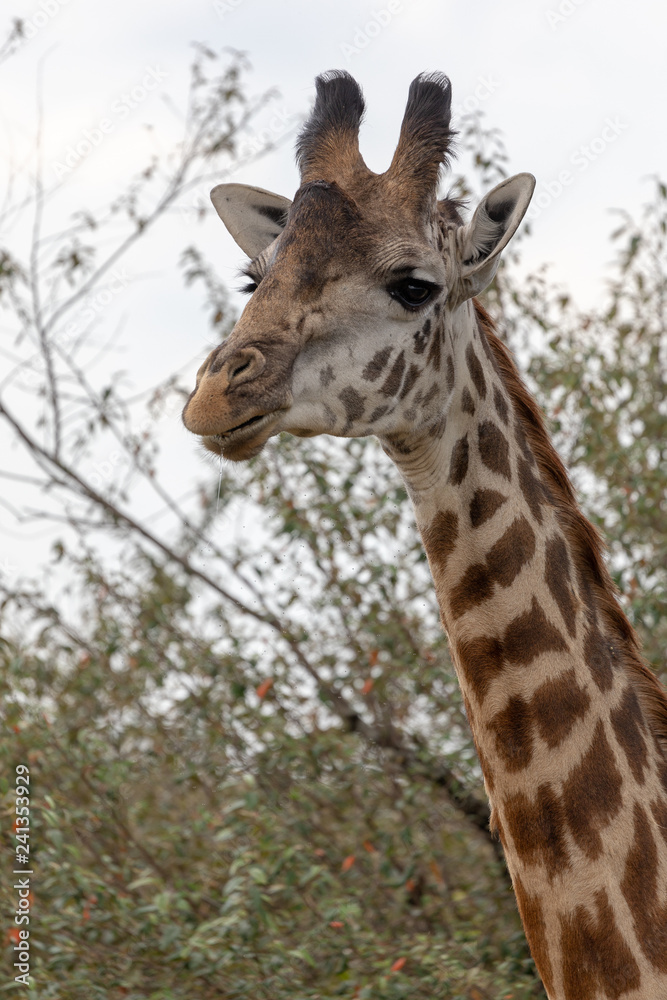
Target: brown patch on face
x=216, y=360
x=481, y=660
x=376, y=365
x=327, y=375
x=474, y=587
x=353, y=403
x=440, y=537
x=494, y=449
x=476, y=371
x=557, y=577
x=430, y=395
x=557, y=704
x=513, y=728
x=592, y=794
x=659, y=810
x=458, y=466
x=532, y=918
x=640, y=888
x=449, y=375
x=531, y=489
x=500, y=404
x=628, y=722
x=483, y=506
x=433, y=357
x=421, y=337
x=598, y=659
x=392, y=383
x=378, y=412
x=467, y=403
x=437, y=428
x=511, y=552
x=530, y=635
x=538, y=829
x=412, y=375
x=597, y=960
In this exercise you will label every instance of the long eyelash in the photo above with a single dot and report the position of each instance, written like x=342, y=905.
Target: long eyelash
x=252, y=284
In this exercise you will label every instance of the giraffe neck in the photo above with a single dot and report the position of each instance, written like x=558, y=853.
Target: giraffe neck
x=569, y=725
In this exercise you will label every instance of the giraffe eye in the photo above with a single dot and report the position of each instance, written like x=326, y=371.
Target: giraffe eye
x=411, y=292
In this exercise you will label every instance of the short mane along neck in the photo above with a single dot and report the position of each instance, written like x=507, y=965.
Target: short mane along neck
x=569, y=724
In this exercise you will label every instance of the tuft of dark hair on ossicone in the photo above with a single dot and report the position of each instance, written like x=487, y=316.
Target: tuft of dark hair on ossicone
x=426, y=139
x=339, y=108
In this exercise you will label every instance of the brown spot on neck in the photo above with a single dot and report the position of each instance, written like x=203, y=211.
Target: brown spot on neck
x=592, y=794
x=537, y=827
x=557, y=704
x=484, y=505
x=559, y=582
x=458, y=466
x=532, y=917
x=513, y=729
x=530, y=635
x=494, y=449
x=640, y=888
x=629, y=727
x=597, y=960
x=440, y=537
x=476, y=371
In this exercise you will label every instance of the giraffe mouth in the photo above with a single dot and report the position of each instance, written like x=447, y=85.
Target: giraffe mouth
x=246, y=439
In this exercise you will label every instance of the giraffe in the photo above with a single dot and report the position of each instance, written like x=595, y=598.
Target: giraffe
x=363, y=320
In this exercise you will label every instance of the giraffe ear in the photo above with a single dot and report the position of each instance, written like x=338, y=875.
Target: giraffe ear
x=493, y=225
x=254, y=217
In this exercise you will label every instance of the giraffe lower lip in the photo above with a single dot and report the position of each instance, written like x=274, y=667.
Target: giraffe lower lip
x=239, y=427
x=245, y=431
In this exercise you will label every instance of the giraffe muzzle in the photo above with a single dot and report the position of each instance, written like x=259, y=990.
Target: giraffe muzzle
x=236, y=403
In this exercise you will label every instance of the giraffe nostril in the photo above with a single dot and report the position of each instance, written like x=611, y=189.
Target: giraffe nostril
x=244, y=365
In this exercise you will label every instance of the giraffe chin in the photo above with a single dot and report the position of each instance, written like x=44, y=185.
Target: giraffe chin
x=244, y=442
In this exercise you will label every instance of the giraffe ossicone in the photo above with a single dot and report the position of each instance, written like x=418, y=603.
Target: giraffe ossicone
x=363, y=321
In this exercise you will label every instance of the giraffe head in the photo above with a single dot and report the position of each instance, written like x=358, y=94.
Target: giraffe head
x=352, y=282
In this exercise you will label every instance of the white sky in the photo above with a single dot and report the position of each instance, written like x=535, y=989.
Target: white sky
x=551, y=74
